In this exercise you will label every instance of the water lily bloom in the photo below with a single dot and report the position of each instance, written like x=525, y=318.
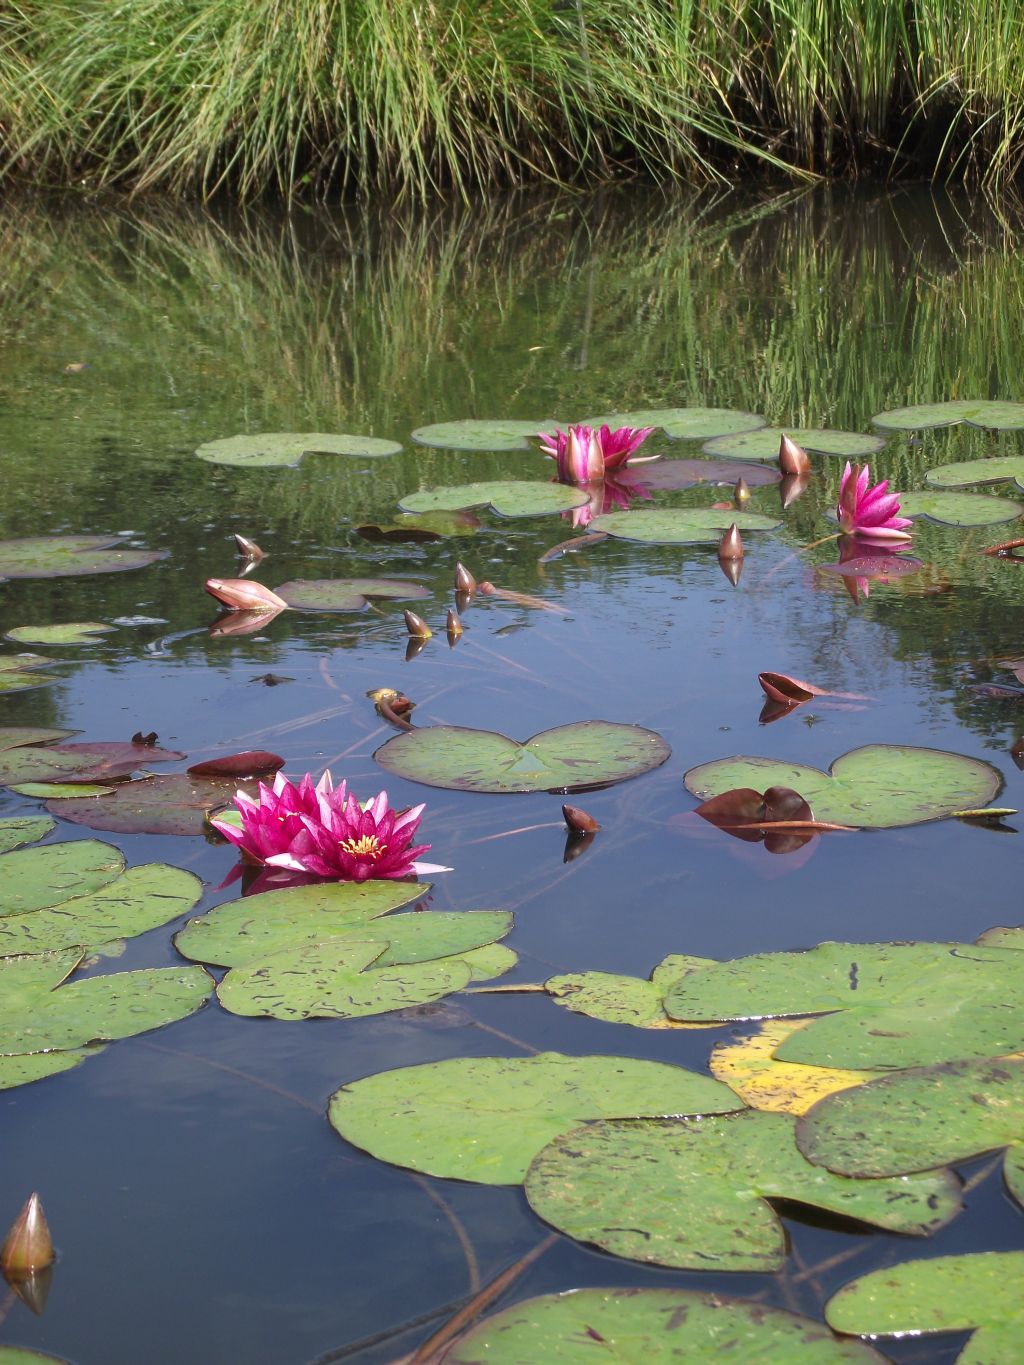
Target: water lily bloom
x=323, y=831
x=870, y=512
x=583, y=454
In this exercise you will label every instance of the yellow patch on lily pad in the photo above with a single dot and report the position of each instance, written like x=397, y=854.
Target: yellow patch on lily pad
x=748, y=1067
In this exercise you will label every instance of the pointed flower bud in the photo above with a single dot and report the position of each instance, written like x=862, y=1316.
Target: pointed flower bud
x=793, y=459
x=454, y=627
x=239, y=594
x=28, y=1245
x=731, y=544
x=248, y=548
x=464, y=580
x=741, y=493
x=579, y=821
x=416, y=626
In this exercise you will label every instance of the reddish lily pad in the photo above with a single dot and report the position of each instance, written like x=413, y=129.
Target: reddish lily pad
x=763, y=444
x=507, y=497
x=588, y=754
x=994, y=416
x=70, y=556
x=345, y=594
x=252, y=763
x=107, y=760
x=479, y=434
x=666, y=475
x=685, y=424
x=274, y=449
x=168, y=804
x=882, y=565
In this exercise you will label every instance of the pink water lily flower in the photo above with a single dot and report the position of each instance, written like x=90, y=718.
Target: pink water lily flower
x=323, y=830
x=866, y=511
x=583, y=454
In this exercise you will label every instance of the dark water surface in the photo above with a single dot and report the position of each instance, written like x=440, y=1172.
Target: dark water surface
x=203, y=1208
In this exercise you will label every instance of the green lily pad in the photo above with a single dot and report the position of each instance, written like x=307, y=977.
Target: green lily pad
x=144, y=898
x=338, y=979
x=18, y=1355
x=485, y=1118
x=763, y=444
x=884, y=1005
x=73, y=633
x=878, y=786
x=53, y=791
x=99, y=761
x=921, y=1118
x=680, y=525
x=975, y=412
x=172, y=803
x=16, y=679
x=99, y=1008
x=691, y=1194
x=430, y=526
x=14, y=736
x=960, y=509
x=981, y=1292
x=473, y=434
x=23, y=829
x=997, y=469
x=70, y=556
x=493, y=959
x=36, y=1066
x=588, y=754
x=37, y=878
x=623, y=999
x=273, y=449
x=255, y=927
x=505, y=496
x=345, y=594
x=685, y=424
x=657, y=1326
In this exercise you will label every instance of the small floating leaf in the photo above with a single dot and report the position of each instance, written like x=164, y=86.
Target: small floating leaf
x=345, y=594
x=431, y=526
x=70, y=556
x=55, y=791
x=251, y=763
x=271, y=449
x=976, y=413
x=622, y=999
x=73, y=633
x=680, y=525
x=506, y=497
x=174, y=803
x=997, y=469
x=23, y=829
x=764, y=443
x=686, y=424
x=480, y=434
x=960, y=509
x=15, y=736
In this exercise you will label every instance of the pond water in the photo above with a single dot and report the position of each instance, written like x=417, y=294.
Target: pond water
x=202, y=1206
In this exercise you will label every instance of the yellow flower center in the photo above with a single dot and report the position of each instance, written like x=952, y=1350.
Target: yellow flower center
x=366, y=847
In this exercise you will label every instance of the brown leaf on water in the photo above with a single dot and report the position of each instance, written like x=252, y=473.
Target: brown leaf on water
x=998, y=691
x=779, y=817
x=1006, y=549
x=790, y=692
x=148, y=740
x=251, y=763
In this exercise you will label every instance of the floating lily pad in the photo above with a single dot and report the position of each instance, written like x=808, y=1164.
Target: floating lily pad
x=667, y=475
x=345, y=594
x=172, y=803
x=685, y=424
x=98, y=1008
x=763, y=444
x=430, y=526
x=493, y=959
x=338, y=979
x=623, y=999
x=960, y=509
x=506, y=497
x=474, y=434
x=983, y=1292
x=974, y=412
x=14, y=736
x=921, y=1118
x=657, y=1326
x=18, y=1355
x=889, y=1005
x=588, y=754
x=78, y=762
x=143, y=898
x=23, y=829
x=878, y=786
x=271, y=449
x=485, y=1118
x=36, y=1066
x=881, y=566
x=73, y=633
x=680, y=525
x=36, y=878
x=749, y=1066
x=691, y=1194
x=55, y=791
x=998, y=469
x=70, y=556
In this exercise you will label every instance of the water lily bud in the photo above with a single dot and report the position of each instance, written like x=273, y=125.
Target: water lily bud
x=731, y=544
x=28, y=1246
x=793, y=459
x=454, y=627
x=416, y=644
x=464, y=580
x=579, y=821
x=791, y=488
x=239, y=594
x=732, y=568
x=741, y=493
x=33, y=1288
x=416, y=626
x=463, y=600
x=248, y=548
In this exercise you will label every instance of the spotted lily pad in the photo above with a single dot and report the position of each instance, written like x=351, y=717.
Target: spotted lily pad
x=588, y=754
x=23, y=829
x=657, y=1326
x=36, y=878
x=686, y=424
x=168, y=804
x=506, y=497
x=680, y=525
x=974, y=412
x=921, y=1118
x=73, y=633
x=70, y=556
x=749, y=1066
x=997, y=469
x=36, y=1066
x=485, y=1118
x=345, y=594
x=691, y=1194
x=960, y=509
x=474, y=434
x=878, y=786
x=763, y=444
x=883, y=1005
x=55, y=791
x=273, y=449
x=623, y=999
x=15, y=736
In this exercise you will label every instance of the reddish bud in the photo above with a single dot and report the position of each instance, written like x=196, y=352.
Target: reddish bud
x=464, y=580
x=239, y=594
x=454, y=627
x=731, y=544
x=579, y=821
x=416, y=626
x=793, y=459
x=248, y=548
x=28, y=1246
x=741, y=493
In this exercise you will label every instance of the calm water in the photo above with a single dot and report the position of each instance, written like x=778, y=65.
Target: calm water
x=203, y=1208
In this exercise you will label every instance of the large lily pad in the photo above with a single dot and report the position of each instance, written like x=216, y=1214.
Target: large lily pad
x=173, y=803
x=623, y=999
x=974, y=412
x=71, y=633
x=878, y=786
x=273, y=449
x=921, y=1118
x=691, y=1193
x=36, y=1066
x=884, y=1005
x=143, y=898
x=480, y=434
x=998, y=469
x=23, y=829
x=763, y=444
x=588, y=754
x=506, y=497
x=485, y=1118
x=14, y=679
x=686, y=424
x=70, y=556
x=35, y=878
x=345, y=594
x=657, y=1326
x=983, y=1292
x=960, y=509
x=680, y=525
x=78, y=762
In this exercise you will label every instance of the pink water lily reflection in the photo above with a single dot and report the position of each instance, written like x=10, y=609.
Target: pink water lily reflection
x=584, y=454
x=866, y=511
x=323, y=831
x=607, y=495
